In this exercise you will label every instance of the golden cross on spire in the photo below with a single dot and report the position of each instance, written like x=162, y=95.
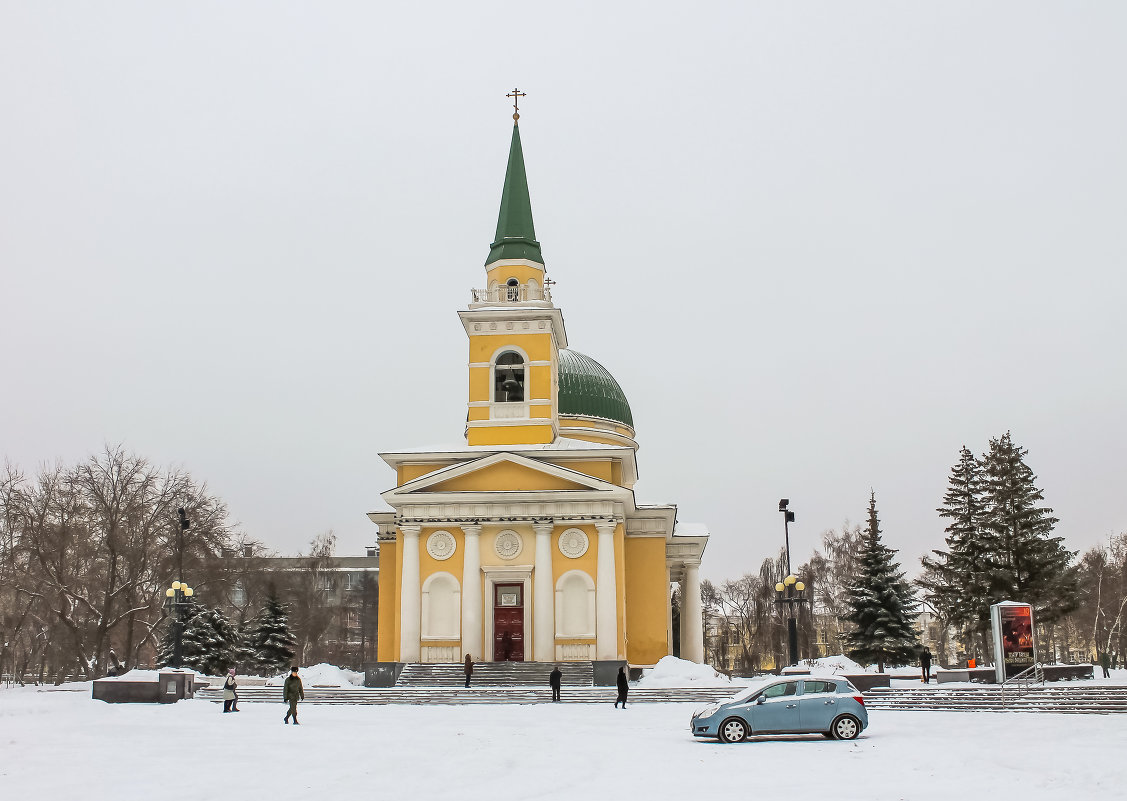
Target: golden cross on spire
x=516, y=95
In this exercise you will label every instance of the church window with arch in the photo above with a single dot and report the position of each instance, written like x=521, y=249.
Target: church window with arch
x=508, y=378
x=512, y=290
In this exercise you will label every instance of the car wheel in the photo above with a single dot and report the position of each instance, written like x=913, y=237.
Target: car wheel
x=846, y=727
x=733, y=730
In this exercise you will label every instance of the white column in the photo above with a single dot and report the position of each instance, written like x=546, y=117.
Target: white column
x=471, y=593
x=543, y=596
x=410, y=597
x=606, y=595
x=692, y=622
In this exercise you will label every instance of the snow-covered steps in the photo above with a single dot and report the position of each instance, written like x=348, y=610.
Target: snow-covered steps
x=495, y=674
x=1067, y=698
x=475, y=695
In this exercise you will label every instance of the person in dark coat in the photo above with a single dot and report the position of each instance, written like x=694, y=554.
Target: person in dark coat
x=292, y=692
x=230, y=697
x=507, y=645
x=925, y=665
x=623, y=688
x=469, y=670
x=1105, y=663
x=554, y=679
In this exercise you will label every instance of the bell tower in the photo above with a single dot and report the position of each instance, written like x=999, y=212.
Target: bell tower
x=515, y=331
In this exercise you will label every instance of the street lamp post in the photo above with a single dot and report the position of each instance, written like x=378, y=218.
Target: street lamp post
x=790, y=591
x=177, y=599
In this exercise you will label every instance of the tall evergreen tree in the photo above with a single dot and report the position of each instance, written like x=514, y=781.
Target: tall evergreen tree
x=880, y=603
x=271, y=641
x=219, y=643
x=1025, y=562
x=190, y=647
x=955, y=581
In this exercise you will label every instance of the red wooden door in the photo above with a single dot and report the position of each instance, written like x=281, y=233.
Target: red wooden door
x=508, y=623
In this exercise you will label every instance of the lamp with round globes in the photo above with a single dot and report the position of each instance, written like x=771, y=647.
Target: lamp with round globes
x=790, y=589
x=176, y=602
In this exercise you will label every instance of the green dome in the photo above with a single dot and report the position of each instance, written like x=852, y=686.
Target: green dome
x=587, y=389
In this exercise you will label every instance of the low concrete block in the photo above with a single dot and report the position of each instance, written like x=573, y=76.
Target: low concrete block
x=382, y=674
x=867, y=681
x=606, y=672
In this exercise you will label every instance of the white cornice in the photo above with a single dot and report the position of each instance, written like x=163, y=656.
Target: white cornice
x=499, y=320
x=514, y=263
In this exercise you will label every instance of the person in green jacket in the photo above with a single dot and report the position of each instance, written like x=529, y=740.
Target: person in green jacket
x=292, y=692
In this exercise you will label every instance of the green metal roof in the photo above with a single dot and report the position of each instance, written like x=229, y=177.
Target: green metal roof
x=516, y=236
x=586, y=388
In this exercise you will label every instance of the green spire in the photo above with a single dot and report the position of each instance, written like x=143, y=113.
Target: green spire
x=516, y=238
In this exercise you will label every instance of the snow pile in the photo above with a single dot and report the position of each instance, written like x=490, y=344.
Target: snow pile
x=673, y=672
x=836, y=665
x=322, y=675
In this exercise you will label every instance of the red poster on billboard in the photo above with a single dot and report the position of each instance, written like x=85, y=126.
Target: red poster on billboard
x=1017, y=637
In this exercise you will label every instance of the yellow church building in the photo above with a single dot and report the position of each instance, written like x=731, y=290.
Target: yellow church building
x=525, y=542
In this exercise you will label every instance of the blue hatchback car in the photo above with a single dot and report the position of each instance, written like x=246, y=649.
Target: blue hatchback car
x=829, y=706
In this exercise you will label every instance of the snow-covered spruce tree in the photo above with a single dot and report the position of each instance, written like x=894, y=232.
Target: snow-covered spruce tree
x=1024, y=561
x=271, y=641
x=880, y=603
x=188, y=640
x=955, y=581
x=219, y=643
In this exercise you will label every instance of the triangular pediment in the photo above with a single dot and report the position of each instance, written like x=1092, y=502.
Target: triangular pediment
x=502, y=472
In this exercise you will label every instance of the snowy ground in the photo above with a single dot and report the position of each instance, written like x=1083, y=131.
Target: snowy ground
x=64, y=745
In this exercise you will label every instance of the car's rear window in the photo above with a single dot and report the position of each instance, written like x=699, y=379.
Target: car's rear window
x=819, y=687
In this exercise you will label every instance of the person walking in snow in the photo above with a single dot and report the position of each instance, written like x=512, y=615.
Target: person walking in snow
x=925, y=665
x=623, y=688
x=1105, y=663
x=230, y=697
x=292, y=692
x=554, y=679
x=469, y=670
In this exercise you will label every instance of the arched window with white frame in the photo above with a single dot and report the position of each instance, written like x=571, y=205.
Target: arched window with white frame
x=509, y=378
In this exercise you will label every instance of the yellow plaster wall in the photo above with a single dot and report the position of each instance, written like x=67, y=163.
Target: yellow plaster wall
x=647, y=600
x=522, y=272
x=479, y=383
x=505, y=476
x=387, y=641
x=537, y=345
x=605, y=469
x=428, y=565
x=409, y=472
x=588, y=562
x=510, y=435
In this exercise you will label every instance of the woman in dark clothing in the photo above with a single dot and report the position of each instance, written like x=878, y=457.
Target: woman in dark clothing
x=623, y=688
x=469, y=669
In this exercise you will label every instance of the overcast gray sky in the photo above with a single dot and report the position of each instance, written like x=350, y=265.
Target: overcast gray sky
x=820, y=245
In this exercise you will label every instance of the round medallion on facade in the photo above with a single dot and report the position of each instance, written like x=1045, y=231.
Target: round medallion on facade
x=508, y=544
x=574, y=543
x=441, y=545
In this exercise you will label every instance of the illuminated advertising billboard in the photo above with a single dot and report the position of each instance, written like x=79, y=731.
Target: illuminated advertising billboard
x=1014, y=649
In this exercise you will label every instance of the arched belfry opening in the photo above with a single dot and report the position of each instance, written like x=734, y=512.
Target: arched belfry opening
x=508, y=378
